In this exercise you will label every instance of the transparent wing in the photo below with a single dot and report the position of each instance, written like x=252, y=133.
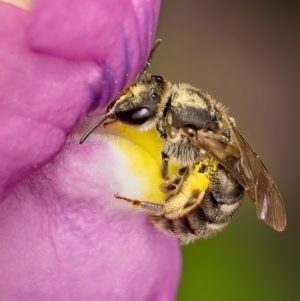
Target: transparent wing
x=238, y=158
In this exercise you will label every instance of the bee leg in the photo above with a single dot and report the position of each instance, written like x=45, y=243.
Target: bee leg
x=174, y=184
x=150, y=208
x=164, y=169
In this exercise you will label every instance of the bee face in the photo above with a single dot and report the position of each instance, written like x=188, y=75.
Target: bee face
x=203, y=141
x=140, y=104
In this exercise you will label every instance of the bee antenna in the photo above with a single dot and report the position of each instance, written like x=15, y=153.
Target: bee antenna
x=95, y=125
x=155, y=45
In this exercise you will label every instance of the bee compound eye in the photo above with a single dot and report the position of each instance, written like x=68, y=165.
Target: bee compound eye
x=190, y=130
x=135, y=116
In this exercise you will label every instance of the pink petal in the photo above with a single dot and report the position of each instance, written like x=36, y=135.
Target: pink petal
x=65, y=237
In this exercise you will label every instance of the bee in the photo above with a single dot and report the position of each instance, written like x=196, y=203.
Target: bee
x=203, y=141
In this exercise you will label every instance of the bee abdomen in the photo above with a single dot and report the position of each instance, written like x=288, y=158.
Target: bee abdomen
x=218, y=206
x=189, y=227
x=223, y=198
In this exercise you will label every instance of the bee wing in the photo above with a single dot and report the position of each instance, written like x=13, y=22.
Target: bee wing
x=238, y=158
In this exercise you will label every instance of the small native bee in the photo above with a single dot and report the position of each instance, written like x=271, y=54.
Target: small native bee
x=202, y=140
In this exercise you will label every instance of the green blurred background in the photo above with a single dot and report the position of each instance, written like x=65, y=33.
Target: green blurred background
x=246, y=54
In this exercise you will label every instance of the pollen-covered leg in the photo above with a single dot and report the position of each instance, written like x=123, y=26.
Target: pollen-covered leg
x=150, y=208
x=174, y=184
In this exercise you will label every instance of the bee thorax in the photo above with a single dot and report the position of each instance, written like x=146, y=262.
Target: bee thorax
x=182, y=152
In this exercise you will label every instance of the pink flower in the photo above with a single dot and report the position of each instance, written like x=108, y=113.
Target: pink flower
x=63, y=235
x=58, y=63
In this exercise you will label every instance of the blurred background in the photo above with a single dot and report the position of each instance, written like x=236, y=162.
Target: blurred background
x=246, y=54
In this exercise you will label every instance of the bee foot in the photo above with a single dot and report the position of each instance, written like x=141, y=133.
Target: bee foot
x=150, y=208
x=135, y=203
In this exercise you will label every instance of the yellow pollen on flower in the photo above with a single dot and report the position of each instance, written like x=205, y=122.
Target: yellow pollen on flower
x=148, y=141
x=143, y=171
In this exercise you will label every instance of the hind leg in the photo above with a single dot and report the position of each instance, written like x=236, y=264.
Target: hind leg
x=150, y=208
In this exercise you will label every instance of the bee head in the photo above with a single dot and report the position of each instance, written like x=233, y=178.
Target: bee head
x=139, y=104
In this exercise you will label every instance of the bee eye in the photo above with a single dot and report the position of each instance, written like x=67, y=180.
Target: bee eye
x=190, y=130
x=136, y=116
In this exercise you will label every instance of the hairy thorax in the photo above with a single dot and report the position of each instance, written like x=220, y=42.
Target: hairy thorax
x=181, y=151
